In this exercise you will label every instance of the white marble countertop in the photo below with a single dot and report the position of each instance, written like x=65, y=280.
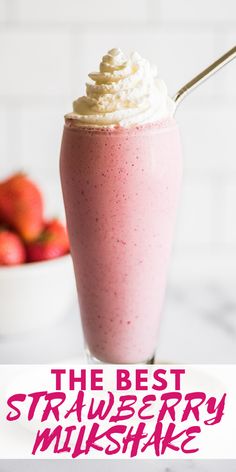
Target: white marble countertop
x=198, y=326
x=117, y=466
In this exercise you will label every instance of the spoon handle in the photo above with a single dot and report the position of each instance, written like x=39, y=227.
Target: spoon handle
x=205, y=74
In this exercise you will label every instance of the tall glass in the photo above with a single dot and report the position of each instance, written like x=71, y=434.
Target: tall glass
x=120, y=188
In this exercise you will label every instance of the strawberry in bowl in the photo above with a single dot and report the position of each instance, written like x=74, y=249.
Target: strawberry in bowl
x=12, y=249
x=36, y=273
x=52, y=242
x=22, y=214
x=21, y=206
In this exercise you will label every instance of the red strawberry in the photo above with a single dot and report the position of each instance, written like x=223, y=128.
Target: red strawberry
x=59, y=232
x=53, y=242
x=12, y=250
x=21, y=206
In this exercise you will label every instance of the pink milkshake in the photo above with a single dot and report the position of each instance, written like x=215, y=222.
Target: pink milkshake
x=120, y=184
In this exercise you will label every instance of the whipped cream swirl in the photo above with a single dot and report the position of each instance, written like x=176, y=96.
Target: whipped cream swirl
x=126, y=91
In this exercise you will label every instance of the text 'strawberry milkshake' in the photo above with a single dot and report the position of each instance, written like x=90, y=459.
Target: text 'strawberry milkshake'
x=121, y=173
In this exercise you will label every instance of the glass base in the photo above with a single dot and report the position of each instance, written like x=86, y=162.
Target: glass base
x=93, y=360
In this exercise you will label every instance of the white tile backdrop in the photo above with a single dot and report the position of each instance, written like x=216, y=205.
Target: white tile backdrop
x=48, y=46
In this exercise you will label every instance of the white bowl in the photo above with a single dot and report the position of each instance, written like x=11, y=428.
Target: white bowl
x=35, y=295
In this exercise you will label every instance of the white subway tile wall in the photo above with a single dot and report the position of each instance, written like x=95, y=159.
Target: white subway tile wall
x=195, y=212
x=230, y=82
x=47, y=119
x=230, y=215
x=203, y=11
x=34, y=63
x=80, y=11
x=47, y=48
x=2, y=10
x=3, y=139
x=208, y=135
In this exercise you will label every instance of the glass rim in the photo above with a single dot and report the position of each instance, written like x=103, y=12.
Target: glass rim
x=151, y=128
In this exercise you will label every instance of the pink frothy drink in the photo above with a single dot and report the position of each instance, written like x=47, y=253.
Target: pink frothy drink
x=120, y=186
